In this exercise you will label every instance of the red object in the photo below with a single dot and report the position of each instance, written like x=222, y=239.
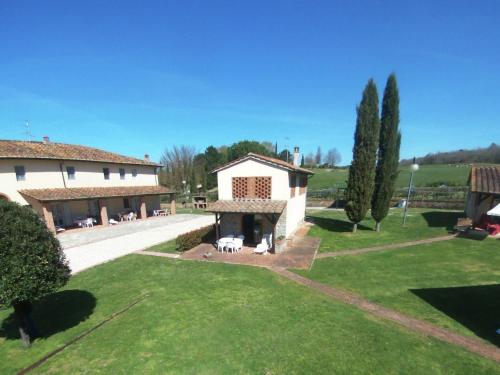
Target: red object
x=493, y=229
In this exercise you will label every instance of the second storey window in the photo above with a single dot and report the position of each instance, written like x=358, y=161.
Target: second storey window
x=134, y=172
x=105, y=172
x=71, y=173
x=20, y=173
x=122, y=173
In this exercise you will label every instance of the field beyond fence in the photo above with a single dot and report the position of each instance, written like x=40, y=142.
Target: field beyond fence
x=426, y=197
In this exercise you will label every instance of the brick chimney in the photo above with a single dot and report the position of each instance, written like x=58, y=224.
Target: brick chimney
x=296, y=156
x=146, y=157
x=46, y=139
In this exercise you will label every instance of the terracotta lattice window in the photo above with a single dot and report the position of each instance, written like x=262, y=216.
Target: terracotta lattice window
x=251, y=187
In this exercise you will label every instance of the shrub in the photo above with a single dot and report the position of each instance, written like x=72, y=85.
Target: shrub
x=191, y=239
x=32, y=263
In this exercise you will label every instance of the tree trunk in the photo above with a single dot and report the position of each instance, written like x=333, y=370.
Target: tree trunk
x=27, y=328
x=354, y=227
x=377, y=226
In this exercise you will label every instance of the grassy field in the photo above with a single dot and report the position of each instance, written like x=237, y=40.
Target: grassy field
x=336, y=231
x=454, y=284
x=427, y=175
x=217, y=319
x=165, y=247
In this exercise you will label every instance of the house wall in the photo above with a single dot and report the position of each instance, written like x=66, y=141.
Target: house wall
x=253, y=168
x=296, y=208
x=294, y=213
x=477, y=205
x=44, y=174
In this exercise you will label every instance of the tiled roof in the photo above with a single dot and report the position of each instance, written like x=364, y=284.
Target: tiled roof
x=63, y=151
x=265, y=159
x=250, y=206
x=485, y=179
x=64, y=194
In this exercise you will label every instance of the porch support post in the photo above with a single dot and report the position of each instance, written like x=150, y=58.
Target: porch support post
x=48, y=217
x=103, y=209
x=217, y=231
x=273, y=221
x=172, y=204
x=144, y=213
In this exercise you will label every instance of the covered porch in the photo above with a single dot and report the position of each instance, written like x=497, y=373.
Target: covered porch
x=252, y=218
x=78, y=207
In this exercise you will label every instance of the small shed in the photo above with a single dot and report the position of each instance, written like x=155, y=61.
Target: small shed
x=484, y=191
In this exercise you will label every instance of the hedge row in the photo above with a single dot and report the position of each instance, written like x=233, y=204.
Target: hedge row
x=191, y=239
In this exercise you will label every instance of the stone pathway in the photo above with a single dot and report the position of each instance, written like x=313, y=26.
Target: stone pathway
x=299, y=255
x=384, y=247
x=472, y=344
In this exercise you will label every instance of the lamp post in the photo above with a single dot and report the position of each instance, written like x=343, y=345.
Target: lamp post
x=413, y=168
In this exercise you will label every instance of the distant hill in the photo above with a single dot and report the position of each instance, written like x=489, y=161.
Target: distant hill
x=489, y=154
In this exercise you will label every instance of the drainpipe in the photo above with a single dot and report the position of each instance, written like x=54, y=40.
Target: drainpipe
x=62, y=174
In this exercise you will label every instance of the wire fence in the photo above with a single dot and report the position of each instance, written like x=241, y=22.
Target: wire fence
x=436, y=197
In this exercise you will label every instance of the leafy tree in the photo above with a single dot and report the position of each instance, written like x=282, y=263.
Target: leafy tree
x=360, y=183
x=285, y=155
x=388, y=152
x=213, y=159
x=239, y=149
x=32, y=263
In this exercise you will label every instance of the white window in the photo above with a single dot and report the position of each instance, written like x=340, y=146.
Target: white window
x=134, y=172
x=20, y=173
x=71, y=173
x=105, y=171
x=122, y=173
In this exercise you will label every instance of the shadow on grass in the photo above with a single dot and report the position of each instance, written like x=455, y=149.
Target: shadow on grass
x=475, y=307
x=54, y=313
x=442, y=219
x=335, y=225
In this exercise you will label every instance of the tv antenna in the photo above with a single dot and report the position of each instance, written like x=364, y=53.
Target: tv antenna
x=27, y=131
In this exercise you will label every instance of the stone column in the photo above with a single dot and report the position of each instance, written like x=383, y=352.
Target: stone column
x=144, y=213
x=104, y=212
x=48, y=217
x=172, y=204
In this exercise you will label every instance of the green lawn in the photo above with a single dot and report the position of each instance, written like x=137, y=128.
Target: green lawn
x=335, y=229
x=428, y=175
x=455, y=284
x=197, y=211
x=164, y=247
x=218, y=319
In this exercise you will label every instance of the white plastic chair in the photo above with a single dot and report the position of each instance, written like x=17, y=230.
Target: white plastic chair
x=88, y=223
x=264, y=245
x=237, y=244
x=231, y=246
x=221, y=246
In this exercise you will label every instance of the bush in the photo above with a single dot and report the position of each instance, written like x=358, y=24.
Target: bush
x=191, y=239
x=32, y=263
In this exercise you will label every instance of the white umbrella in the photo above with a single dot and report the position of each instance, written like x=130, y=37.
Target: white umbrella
x=495, y=211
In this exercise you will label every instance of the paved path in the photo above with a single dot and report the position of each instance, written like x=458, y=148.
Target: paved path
x=472, y=344
x=384, y=247
x=131, y=238
x=299, y=254
x=78, y=237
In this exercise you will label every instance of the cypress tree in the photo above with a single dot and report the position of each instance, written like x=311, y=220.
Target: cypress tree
x=360, y=183
x=388, y=153
x=302, y=162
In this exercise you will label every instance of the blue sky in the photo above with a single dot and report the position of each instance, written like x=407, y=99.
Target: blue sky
x=139, y=76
